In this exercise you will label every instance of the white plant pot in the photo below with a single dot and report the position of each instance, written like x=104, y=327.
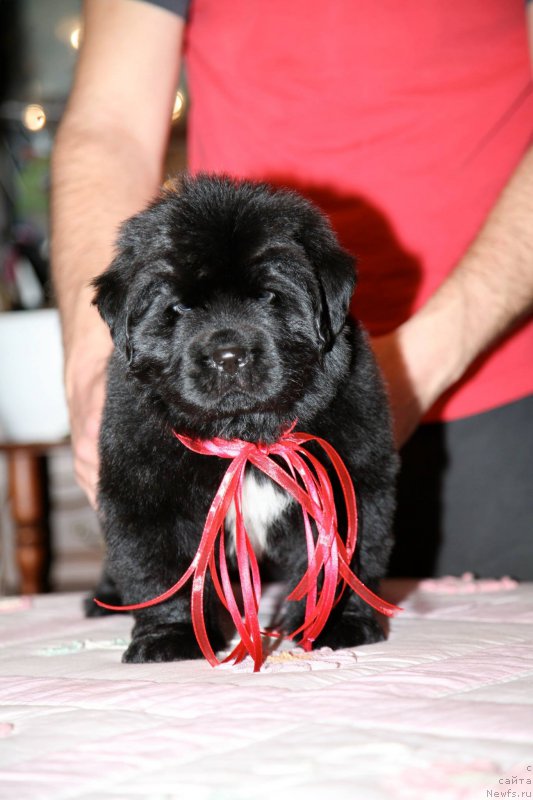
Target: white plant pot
x=32, y=400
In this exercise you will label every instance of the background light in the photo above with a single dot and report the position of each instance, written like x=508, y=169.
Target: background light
x=68, y=30
x=75, y=38
x=179, y=106
x=34, y=117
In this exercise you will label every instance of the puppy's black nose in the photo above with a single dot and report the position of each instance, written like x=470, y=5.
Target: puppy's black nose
x=230, y=359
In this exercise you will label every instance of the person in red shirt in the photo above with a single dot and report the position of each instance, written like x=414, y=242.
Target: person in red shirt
x=410, y=125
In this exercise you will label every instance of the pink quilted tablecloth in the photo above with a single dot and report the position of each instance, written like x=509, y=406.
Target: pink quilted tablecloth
x=442, y=709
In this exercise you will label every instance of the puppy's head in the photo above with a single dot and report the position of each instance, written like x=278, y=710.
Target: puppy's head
x=224, y=297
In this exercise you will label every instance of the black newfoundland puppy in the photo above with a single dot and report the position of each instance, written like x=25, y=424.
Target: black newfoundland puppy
x=227, y=303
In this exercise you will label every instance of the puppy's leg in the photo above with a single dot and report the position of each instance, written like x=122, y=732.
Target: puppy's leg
x=107, y=592
x=165, y=632
x=352, y=621
x=351, y=624
x=165, y=642
x=154, y=639
x=144, y=559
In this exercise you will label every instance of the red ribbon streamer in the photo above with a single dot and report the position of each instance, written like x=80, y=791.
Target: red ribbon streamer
x=308, y=482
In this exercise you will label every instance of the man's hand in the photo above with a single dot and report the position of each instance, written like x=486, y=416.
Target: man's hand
x=421, y=359
x=86, y=402
x=85, y=374
x=406, y=407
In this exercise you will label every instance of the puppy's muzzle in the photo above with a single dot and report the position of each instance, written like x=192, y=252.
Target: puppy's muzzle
x=229, y=359
x=228, y=353
x=224, y=365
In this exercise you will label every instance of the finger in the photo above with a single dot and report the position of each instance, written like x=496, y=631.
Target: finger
x=87, y=478
x=86, y=467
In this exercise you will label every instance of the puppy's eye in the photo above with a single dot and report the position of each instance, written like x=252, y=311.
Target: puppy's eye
x=178, y=309
x=266, y=297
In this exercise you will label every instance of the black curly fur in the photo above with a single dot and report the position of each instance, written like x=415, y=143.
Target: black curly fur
x=214, y=260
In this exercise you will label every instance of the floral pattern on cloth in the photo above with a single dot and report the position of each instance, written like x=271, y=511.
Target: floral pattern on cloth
x=441, y=710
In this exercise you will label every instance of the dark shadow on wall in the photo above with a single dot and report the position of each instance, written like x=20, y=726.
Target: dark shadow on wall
x=388, y=275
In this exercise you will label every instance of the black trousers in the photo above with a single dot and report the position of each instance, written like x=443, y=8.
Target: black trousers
x=465, y=497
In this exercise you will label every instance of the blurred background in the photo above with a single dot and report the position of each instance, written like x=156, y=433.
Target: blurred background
x=39, y=42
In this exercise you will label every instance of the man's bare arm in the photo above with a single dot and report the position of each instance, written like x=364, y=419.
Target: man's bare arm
x=487, y=294
x=107, y=164
x=481, y=301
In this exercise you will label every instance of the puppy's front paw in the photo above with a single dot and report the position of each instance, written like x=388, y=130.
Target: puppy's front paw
x=92, y=610
x=167, y=643
x=107, y=592
x=350, y=631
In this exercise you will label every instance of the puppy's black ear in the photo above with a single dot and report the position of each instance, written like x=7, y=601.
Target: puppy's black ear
x=107, y=296
x=110, y=300
x=336, y=273
x=337, y=279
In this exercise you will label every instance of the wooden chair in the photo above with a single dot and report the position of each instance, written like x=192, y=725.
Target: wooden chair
x=29, y=504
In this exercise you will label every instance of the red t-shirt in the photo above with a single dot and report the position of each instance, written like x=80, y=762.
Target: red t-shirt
x=404, y=121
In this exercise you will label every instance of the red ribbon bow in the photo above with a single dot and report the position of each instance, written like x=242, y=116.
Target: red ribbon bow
x=328, y=553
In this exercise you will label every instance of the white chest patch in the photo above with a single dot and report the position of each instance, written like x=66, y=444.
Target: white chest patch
x=262, y=503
